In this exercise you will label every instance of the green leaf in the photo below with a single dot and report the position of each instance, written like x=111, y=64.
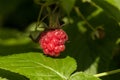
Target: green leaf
x=83, y=76
x=13, y=41
x=3, y=78
x=67, y=5
x=109, y=8
x=92, y=55
x=39, y=67
x=115, y=3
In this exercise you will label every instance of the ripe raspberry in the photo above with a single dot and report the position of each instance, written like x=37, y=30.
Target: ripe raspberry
x=52, y=41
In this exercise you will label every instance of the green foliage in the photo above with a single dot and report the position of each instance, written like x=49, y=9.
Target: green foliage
x=93, y=46
x=67, y=5
x=115, y=3
x=37, y=66
x=112, y=10
x=3, y=78
x=82, y=76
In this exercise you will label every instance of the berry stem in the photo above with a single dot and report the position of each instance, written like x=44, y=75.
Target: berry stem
x=40, y=3
x=81, y=15
x=107, y=73
x=37, y=2
x=54, y=9
x=38, y=19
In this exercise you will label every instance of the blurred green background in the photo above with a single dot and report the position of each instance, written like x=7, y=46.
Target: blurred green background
x=18, y=14
x=93, y=53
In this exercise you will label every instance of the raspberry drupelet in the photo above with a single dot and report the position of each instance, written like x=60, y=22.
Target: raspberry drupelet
x=52, y=41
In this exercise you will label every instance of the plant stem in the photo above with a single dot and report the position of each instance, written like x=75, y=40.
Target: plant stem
x=37, y=2
x=39, y=16
x=107, y=73
x=81, y=15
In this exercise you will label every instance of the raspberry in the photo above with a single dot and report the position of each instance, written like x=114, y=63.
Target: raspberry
x=52, y=41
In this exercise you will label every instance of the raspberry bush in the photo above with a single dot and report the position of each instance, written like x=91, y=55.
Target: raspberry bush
x=93, y=51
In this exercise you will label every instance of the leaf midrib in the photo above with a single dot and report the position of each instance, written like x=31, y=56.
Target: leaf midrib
x=47, y=67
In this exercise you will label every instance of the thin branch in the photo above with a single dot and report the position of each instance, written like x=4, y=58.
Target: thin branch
x=37, y=2
x=107, y=73
x=81, y=15
x=39, y=16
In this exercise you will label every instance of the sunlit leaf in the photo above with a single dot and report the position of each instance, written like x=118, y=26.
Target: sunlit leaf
x=116, y=3
x=109, y=8
x=3, y=78
x=83, y=76
x=37, y=66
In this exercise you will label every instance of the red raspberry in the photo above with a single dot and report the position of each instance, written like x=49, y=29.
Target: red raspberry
x=52, y=41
